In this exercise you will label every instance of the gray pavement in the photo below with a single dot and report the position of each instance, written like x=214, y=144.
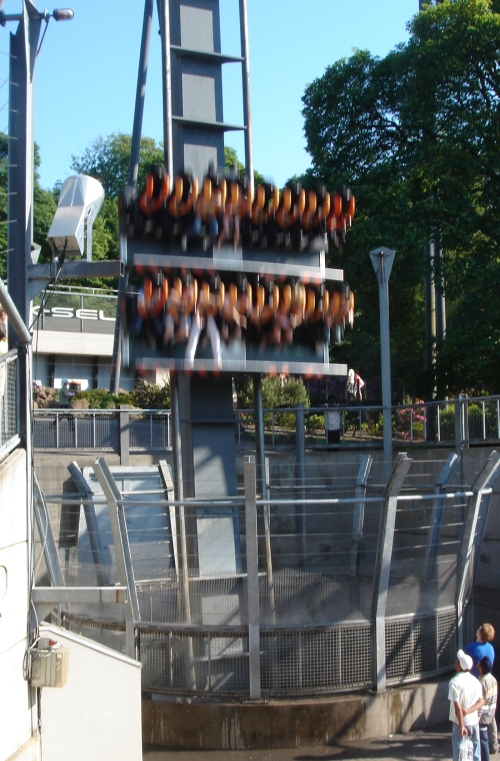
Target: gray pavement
x=428, y=745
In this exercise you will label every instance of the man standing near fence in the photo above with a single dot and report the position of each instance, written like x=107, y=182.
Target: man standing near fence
x=65, y=394
x=466, y=698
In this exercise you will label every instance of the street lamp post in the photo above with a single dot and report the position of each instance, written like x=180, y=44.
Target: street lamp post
x=23, y=51
x=382, y=260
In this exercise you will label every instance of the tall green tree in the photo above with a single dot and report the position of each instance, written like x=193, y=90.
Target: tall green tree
x=416, y=136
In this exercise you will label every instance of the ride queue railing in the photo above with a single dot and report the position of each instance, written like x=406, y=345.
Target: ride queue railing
x=470, y=420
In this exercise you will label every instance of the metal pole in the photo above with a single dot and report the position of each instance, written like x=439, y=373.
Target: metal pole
x=164, y=16
x=23, y=46
x=383, y=564
x=99, y=558
x=245, y=72
x=140, y=93
x=122, y=550
x=382, y=260
x=267, y=543
x=259, y=430
x=252, y=575
x=459, y=430
x=135, y=150
x=300, y=465
x=437, y=513
x=47, y=538
x=181, y=518
x=116, y=359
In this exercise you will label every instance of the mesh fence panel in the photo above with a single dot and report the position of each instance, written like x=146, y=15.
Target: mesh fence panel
x=109, y=634
x=424, y=564
x=213, y=662
x=9, y=400
x=149, y=431
x=420, y=645
x=308, y=659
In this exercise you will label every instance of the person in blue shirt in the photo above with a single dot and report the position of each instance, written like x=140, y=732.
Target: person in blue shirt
x=482, y=648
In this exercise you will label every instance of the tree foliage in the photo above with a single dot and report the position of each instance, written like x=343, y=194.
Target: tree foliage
x=108, y=160
x=44, y=206
x=231, y=159
x=277, y=392
x=416, y=136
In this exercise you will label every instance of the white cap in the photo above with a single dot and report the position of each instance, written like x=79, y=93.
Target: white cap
x=465, y=661
x=63, y=381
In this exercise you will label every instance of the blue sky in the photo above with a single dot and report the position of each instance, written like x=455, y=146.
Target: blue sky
x=86, y=72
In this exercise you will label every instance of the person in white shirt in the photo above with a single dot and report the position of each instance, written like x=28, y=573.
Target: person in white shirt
x=466, y=698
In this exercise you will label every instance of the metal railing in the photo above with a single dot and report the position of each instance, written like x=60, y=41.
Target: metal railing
x=299, y=593
x=76, y=310
x=9, y=402
x=105, y=430
x=474, y=420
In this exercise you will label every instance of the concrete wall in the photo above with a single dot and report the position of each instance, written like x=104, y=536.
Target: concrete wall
x=18, y=735
x=294, y=724
x=97, y=714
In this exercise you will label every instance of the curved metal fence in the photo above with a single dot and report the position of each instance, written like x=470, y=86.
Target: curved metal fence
x=312, y=588
x=294, y=661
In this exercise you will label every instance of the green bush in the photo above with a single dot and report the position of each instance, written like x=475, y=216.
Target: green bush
x=315, y=423
x=145, y=396
x=149, y=396
x=101, y=399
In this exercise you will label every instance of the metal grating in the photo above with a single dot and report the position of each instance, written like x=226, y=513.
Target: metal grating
x=109, y=634
x=418, y=646
x=316, y=659
x=213, y=661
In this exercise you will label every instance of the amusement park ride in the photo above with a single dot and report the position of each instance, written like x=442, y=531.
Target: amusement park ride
x=221, y=277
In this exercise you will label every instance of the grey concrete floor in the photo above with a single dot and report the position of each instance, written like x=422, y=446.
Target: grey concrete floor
x=428, y=745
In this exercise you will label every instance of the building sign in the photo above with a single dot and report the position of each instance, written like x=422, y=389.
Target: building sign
x=69, y=313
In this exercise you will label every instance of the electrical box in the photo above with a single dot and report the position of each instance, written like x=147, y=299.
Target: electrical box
x=49, y=666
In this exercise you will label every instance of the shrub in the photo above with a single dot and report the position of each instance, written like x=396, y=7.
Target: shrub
x=149, y=396
x=100, y=399
x=411, y=422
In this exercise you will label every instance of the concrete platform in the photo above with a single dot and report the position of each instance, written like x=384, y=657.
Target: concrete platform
x=353, y=717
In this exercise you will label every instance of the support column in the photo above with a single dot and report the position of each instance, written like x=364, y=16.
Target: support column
x=23, y=46
x=300, y=482
x=247, y=112
x=164, y=16
x=383, y=565
x=252, y=575
x=124, y=433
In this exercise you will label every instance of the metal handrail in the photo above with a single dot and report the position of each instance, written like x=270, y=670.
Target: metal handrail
x=474, y=419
